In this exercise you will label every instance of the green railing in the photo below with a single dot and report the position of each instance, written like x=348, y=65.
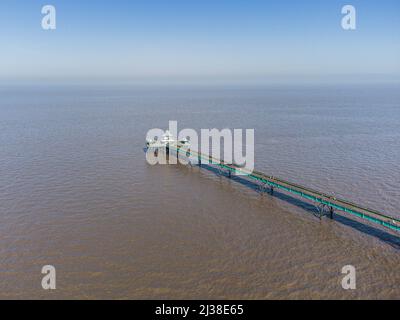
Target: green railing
x=313, y=195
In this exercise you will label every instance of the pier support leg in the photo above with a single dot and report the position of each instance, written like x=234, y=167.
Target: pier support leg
x=199, y=161
x=272, y=191
x=331, y=211
x=229, y=174
x=167, y=154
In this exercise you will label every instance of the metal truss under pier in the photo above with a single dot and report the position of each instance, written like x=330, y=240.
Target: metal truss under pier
x=326, y=204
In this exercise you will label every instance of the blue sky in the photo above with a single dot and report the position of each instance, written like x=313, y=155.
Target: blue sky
x=219, y=39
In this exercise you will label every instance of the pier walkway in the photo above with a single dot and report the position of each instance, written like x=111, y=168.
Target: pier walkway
x=326, y=204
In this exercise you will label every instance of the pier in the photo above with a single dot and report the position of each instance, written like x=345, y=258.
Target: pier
x=326, y=204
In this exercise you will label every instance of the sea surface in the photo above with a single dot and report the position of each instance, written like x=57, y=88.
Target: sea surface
x=77, y=193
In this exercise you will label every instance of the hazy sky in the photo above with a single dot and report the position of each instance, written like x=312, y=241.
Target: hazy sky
x=207, y=39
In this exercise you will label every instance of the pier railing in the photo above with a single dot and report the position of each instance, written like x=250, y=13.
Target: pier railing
x=329, y=202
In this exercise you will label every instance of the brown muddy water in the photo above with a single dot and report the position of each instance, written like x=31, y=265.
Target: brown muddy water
x=77, y=193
